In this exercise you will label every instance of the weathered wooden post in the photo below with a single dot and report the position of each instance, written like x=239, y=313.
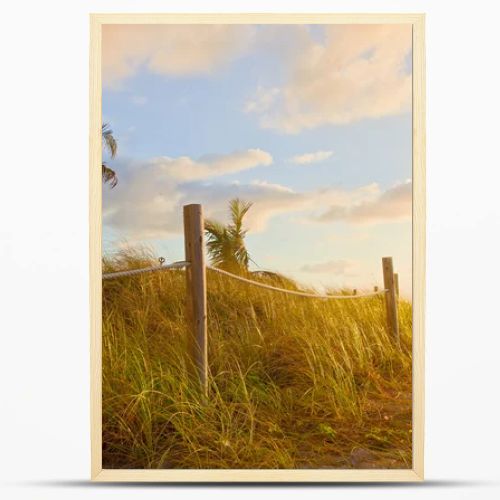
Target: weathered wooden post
x=391, y=304
x=396, y=286
x=196, y=290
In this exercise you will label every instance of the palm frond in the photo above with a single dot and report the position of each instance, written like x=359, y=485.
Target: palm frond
x=226, y=243
x=109, y=143
x=109, y=140
x=109, y=175
x=214, y=229
x=218, y=244
x=238, y=209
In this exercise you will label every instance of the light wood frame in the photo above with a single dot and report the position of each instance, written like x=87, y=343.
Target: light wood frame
x=416, y=473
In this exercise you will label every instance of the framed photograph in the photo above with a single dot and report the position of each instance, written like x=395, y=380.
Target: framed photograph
x=257, y=247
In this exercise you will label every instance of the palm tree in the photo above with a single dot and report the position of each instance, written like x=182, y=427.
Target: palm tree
x=226, y=243
x=109, y=144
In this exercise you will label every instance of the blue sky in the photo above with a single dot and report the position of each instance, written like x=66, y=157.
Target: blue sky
x=312, y=124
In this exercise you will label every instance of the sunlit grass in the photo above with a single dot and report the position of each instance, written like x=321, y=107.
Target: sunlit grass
x=294, y=382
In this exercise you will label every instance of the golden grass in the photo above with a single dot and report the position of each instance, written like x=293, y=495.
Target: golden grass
x=294, y=382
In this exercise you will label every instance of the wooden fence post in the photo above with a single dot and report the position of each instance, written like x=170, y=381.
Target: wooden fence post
x=396, y=285
x=391, y=304
x=196, y=290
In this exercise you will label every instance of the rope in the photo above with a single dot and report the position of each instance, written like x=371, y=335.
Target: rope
x=183, y=264
x=132, y=272
x=293, y=292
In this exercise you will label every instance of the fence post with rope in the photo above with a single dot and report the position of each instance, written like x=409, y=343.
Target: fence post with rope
x=196, y=282
x=391, y=303
x=196, y=291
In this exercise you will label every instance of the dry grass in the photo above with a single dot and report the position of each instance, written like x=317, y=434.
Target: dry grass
x=294, y=382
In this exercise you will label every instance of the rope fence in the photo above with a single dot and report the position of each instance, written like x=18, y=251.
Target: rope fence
x=196, y=304
x=162, y=267
x=183, y=264
x=294, y=292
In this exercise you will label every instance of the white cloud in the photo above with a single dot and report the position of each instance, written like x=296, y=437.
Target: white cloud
x=147, y=203
x=270, y=200
x=263, y=100
x=186, y=169
x=350, y=73
x=149, y=197
x=307, y=158
x=178, y=50
x=357, y=72
x=391, y=205
x=341, y=267
x=272, y=186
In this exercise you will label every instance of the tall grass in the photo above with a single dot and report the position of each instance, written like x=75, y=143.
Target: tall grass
x=294, y=382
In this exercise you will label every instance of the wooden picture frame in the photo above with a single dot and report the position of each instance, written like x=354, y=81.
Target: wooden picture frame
x=416, y=473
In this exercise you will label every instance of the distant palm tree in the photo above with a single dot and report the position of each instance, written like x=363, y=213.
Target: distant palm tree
x=109, y=143
x=226, y=243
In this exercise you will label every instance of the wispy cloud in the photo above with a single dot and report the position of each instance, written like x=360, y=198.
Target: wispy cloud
x=340, y=267
x=177, y=50
x=186, y=169
x=308, y=158
x=391, y=205
x=148, y=202
x=264, y=98
x=149, y=199
x=357, y=72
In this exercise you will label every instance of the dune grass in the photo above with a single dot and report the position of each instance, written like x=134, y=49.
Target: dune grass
x=294, y=382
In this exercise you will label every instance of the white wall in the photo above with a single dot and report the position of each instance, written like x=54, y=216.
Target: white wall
x=44, y=416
